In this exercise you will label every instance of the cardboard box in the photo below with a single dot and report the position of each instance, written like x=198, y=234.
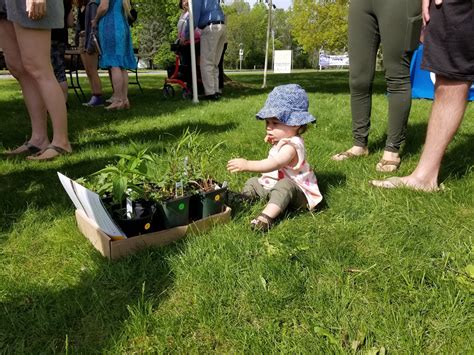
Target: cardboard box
x=114, y=249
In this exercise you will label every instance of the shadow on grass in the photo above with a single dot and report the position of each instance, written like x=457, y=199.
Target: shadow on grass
x=152, y=104
x=458, y=160
x=166, y=134
x=325, y=82
x=415, y=138
x=87, y=317
x=39, y=187
x=326, y=182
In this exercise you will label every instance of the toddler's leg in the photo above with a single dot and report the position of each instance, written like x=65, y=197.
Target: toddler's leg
x=253, y=189
x=285, y=193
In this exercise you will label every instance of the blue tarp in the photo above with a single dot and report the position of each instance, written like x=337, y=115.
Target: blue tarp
x=422, y=81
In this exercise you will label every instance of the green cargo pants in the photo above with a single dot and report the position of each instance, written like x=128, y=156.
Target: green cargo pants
x=396, y=24
x=284, y=194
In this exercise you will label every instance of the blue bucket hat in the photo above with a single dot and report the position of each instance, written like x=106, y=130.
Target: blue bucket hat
x=289, y=104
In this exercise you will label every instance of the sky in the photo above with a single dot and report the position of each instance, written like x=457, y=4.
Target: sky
x=281, y=4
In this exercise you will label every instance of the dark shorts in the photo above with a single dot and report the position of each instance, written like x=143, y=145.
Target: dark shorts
x=449, y=40
x=3, y=10
x=57, y=60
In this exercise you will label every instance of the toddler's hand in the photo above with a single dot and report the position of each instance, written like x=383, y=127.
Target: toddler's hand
x=235, y=165
x=36, y=9
x=269, y=139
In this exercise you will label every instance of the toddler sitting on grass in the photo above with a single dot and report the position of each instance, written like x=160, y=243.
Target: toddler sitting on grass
x=287, y=180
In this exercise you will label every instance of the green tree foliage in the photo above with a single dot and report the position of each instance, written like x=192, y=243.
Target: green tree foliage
x=156, y=28
x=247, y=26
x=320, y=24
x=310, y=25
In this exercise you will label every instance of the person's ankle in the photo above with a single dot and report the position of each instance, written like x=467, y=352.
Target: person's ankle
x=358, y=150
x=422, y=179
x=39, y=142
x=62, y=144
x=391, y=156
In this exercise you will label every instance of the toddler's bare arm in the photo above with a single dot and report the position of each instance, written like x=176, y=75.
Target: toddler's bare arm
x=284, y=157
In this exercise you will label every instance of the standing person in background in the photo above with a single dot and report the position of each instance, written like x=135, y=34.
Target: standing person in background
x=59, y=43
x=396, y=24
x=209, y=17
x=116, y=45
x=87, y=10
x=184, y=43
x=26, y=40
x=449, y=53
x=221, y=69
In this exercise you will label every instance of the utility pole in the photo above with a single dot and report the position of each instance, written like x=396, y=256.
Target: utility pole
x=270, y=8
x=241, y=54
x=273, y=49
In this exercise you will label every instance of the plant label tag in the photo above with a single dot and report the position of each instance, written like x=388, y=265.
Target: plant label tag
x=129, y=208
x=179, y=187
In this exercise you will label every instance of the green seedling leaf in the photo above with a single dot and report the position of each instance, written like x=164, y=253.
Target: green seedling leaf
x=355, y=344
x=264, y=283
x=119, y=187
x=470, y=271
x=325, y=333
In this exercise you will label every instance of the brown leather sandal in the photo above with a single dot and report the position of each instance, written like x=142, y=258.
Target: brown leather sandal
x=262, y=223
x=348, y=155
x=55, y=150
x=25, y=149
x=387, y=166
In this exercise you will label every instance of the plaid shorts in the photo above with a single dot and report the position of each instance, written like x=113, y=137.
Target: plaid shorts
x=57, y=60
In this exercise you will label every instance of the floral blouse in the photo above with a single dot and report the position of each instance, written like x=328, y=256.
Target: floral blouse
x=301, y=173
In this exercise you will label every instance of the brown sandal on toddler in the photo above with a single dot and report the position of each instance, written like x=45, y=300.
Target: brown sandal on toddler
x=262, y=223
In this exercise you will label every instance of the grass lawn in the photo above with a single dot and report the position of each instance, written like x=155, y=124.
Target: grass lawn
x=370, y=270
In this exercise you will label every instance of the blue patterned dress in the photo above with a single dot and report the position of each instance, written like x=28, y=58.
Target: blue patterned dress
x=115, y=39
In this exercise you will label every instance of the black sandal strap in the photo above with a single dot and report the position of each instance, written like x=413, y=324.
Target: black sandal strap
x=267, y=217
x=263, y=224
x=32, y=148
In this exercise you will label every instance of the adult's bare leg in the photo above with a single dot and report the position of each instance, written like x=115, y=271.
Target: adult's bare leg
x=120, y=94
x=125, y=87
x=446, y=116
x=35, y=54
x=64, y=88
x=90, y=62
x=33, y=100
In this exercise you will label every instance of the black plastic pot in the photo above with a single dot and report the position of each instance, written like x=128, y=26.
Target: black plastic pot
x=172, y=213
x=205, y=204
x=142, y=221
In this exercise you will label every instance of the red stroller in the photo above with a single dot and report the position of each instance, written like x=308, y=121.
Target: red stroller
x=180, y=74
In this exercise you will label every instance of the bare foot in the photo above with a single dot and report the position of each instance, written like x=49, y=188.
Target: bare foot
x=405, y=182
x=354, y=152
